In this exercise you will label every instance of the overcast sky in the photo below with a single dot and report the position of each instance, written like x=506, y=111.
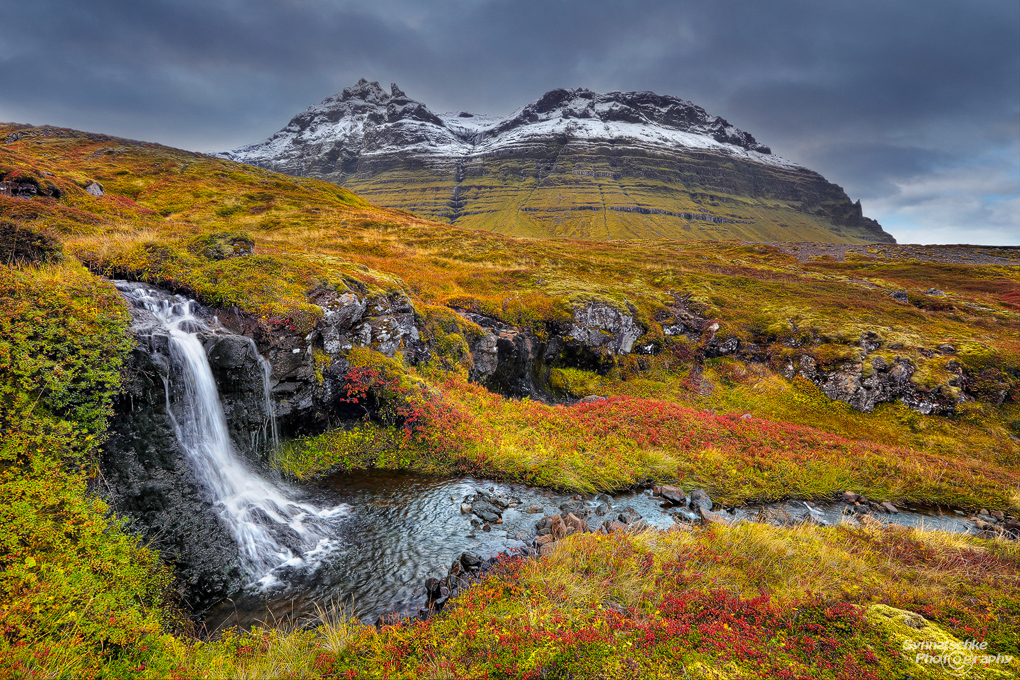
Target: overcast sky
x=913, y=107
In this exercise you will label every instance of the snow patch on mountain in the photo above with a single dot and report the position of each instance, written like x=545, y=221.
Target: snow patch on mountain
x=365, y=120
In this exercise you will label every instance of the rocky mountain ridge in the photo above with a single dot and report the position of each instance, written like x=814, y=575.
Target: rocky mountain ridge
x=571, y=163
x=364, y=120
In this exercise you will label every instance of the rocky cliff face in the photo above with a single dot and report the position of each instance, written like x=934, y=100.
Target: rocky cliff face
x=571, y=163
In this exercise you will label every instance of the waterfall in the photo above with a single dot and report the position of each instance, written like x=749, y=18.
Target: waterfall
x=269, y=524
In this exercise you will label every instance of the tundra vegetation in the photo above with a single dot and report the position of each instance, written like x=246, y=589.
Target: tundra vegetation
x=83, y=597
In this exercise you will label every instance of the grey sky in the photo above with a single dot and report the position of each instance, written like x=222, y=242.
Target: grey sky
x=912, y=107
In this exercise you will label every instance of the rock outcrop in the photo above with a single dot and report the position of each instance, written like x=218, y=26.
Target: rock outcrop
x=516, y=363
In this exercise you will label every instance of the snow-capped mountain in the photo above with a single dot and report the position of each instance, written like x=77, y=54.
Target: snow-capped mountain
x=364, y=120
x=660, y=163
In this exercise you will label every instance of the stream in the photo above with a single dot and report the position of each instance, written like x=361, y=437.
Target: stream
x=404, y=528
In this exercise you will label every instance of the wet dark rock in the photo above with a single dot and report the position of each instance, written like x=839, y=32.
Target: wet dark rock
x=601, y=508
x=149, y=481
x=504, y=358
x=237, y=367
x=486, y=511
x=534, y=510
x=629, y=515
x=470, y=560
x=579, y=508
x=701, y=500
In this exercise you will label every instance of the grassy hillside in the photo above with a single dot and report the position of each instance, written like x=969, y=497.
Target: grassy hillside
x=604, y=192
x=81, y=598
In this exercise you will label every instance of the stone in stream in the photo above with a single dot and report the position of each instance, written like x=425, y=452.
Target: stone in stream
x=673, y=494
x=713, y=517
x=577, y=507
x=601, y=508
x=534, y=510
x=889, y=507
x=997, y=514
x=470, y=560
x=701, y=500
x=629, y=515
x=433, y=589
x=777, y=515
x=613, y=525
x=485, y=510
x=544, y=526
x=575, y=524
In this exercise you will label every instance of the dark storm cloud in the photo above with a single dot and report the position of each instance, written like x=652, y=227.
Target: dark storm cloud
x=913, y=107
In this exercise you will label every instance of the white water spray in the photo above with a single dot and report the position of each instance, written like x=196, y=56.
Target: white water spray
x=270, y=526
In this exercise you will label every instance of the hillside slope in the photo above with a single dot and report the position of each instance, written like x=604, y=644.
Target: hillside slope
x=573, y=163
x=752, y=371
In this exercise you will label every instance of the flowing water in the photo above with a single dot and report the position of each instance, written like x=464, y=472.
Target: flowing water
x=270, y=524
x=405, y=528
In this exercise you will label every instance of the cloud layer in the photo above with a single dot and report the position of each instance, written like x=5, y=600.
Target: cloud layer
x=913, y=108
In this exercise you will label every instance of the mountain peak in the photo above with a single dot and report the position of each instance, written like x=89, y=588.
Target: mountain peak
x=641, y=108
x=573, y=162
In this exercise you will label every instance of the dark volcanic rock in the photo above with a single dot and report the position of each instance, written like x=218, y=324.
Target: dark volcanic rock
x=150, y=482
x=700, y=499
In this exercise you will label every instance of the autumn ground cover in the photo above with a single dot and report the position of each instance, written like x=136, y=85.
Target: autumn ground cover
x=81, y=597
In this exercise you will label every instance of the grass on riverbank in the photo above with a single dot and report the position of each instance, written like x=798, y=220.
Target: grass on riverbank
x=750, y=601
x=459, y=427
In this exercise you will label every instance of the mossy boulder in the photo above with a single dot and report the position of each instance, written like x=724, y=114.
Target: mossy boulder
x=224, y=245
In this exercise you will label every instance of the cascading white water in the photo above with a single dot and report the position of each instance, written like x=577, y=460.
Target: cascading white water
x=270, y=526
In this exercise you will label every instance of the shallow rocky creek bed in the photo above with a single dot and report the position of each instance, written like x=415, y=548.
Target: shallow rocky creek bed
x=411, y=541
